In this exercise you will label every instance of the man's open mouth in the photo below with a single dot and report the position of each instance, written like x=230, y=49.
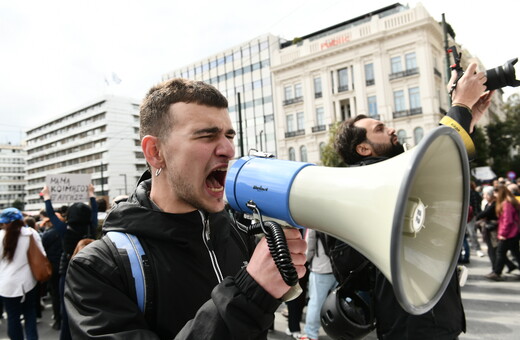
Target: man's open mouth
x=215, y=180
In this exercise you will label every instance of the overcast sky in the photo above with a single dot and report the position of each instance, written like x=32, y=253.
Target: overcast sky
x=55, y=55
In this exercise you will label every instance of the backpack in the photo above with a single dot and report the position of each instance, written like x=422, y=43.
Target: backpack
x=129, y=245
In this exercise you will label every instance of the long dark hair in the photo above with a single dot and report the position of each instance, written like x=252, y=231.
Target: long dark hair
x=12, y=233
x=503, y=195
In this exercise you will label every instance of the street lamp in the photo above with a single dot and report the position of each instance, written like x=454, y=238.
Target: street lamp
x=126, y=192
x=261, y=145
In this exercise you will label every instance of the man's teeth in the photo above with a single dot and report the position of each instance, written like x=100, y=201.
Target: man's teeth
x=216, y=189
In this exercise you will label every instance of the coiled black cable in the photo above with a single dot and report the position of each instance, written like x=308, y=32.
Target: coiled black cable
x=278, y=248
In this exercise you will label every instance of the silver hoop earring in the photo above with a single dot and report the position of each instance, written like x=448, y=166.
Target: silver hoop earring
x=158, y=172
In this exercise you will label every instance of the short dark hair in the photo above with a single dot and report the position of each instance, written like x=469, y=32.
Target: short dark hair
x=348, y=138
x=154, y=117
x=102, y=204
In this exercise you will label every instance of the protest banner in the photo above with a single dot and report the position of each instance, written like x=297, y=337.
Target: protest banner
x=68, y=188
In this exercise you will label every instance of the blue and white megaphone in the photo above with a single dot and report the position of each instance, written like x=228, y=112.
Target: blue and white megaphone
x=407, y=215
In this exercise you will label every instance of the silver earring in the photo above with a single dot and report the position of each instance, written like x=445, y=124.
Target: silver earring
x=158, y=172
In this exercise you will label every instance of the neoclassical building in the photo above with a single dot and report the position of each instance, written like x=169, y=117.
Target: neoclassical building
x=389, y=64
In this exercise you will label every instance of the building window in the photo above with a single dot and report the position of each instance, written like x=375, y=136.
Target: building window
x=396, y=64
x=322, y=148
x=292, y=154
x=411, y=62
x=298, y=94
x=320, y=116
x=290, y=123
x=317, y=87
x=418, y=134
x=342, y=80
x=369, y=74
x=415, y=100
x=401, y=136
x=372, y=106
x=303, y=153
x=300, y=121
x=399, y=101
x=298, y=91
x=288, y=92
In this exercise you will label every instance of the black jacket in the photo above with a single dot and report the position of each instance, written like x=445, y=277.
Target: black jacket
x=189, y=254
x=51, y=240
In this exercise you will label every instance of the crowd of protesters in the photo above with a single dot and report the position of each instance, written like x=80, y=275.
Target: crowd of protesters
x=57, y=233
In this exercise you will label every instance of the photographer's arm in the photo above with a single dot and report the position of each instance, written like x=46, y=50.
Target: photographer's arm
x=469, y=105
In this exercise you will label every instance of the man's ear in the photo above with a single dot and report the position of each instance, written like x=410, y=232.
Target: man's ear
x=364, y=149
x=151, y=150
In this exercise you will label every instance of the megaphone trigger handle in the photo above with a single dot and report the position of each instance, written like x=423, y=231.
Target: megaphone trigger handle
x=292, y=293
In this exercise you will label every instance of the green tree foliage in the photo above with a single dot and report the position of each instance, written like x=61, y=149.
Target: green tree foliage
x=329, y=156
x=482, y=147
x=512, y=108
x=18, y=205
x=504, y=137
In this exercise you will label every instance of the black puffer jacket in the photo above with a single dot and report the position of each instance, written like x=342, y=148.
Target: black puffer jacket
x=189, y=254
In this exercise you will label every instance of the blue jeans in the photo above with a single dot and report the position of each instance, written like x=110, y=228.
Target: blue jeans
x=14, y=308
x=319, y=287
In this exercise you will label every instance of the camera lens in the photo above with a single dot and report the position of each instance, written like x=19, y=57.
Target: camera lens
x=501, y=76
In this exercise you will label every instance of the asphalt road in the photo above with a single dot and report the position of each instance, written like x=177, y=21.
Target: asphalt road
x=492, y=308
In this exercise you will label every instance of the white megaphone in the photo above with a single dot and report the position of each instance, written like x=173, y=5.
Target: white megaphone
x=407, y=214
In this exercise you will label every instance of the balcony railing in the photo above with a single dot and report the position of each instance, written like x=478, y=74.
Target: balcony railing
x=319, y=128
x=290, y=134
x=405, y=73
x=318, y=95
x=342, y=88
x=293, y=100
x=370, y=82
x=406, y=113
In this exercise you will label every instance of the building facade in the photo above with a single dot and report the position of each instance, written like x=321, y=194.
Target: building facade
x=242, y=72
x=389, y=64
x=100, y=138
x=12, y=175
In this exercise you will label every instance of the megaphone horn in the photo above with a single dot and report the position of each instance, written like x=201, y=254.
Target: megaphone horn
x=407, y=214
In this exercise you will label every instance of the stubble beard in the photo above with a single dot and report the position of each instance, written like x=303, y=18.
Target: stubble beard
x=186, y=192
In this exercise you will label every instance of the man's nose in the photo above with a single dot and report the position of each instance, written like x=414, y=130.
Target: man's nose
x=391, y=131
x=226, y=148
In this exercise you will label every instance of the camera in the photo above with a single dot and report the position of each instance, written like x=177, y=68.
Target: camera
x=501, y=76
x=497, y=77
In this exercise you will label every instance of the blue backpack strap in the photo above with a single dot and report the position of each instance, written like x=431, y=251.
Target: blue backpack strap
x=135, y=253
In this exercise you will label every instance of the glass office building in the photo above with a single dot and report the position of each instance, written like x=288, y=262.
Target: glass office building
x=242, y=72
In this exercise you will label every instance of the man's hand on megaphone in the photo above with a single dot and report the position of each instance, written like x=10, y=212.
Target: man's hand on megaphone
x=263, y=270
x=469, y=87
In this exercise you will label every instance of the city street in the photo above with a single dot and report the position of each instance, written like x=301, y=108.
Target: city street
x=492, y=308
